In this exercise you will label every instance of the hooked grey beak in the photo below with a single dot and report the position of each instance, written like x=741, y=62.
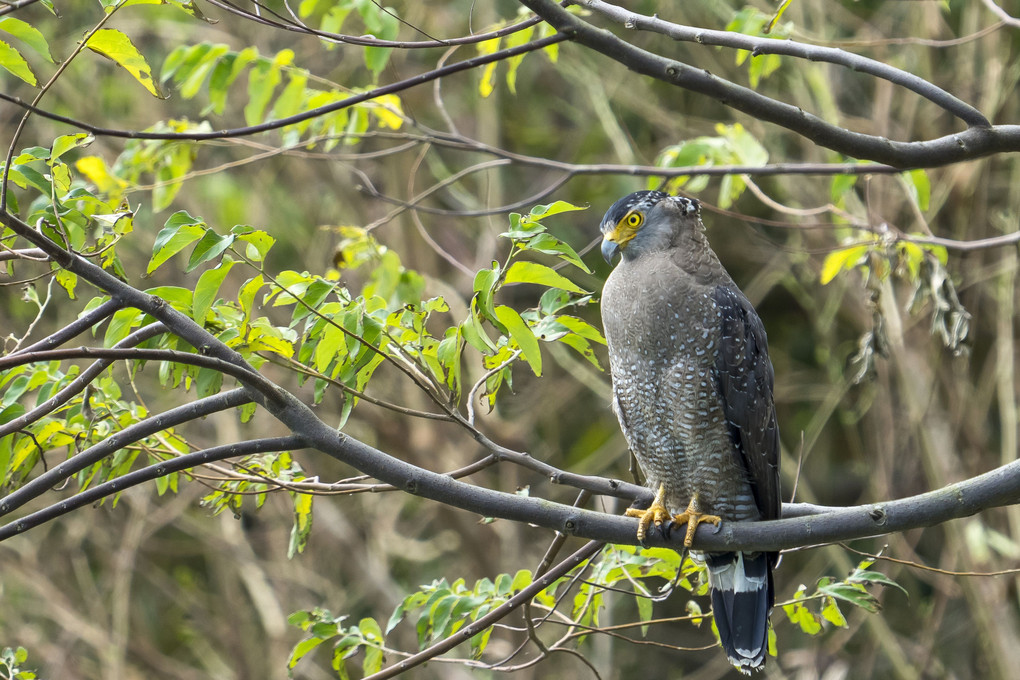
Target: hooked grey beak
x=609, y=250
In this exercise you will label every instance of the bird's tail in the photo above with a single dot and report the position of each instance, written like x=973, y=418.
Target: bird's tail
x=742, y=597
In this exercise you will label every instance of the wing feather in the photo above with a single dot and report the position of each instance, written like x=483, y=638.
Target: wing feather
x=745, y=379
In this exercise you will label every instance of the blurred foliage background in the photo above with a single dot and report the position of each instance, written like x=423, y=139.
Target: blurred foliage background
x=159, y=587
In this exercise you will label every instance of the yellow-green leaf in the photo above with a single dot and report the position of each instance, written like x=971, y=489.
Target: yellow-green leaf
x=918, y=187
x=778, y=15
x=12, y=60
x=832, y=614
x=838, y=260
x=532, y=272
x=486, y=85
x=65, y=143
x=522, y=334
x=117, y=47
x=28, y=34
x=96, y=171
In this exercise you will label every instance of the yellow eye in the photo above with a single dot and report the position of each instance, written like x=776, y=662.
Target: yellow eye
x=634, y=220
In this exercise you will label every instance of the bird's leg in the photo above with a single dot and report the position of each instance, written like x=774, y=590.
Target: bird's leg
x=655, y=514
x=692, y=517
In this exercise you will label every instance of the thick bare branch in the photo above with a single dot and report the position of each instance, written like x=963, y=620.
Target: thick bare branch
x=703, y=36
x=975, y=142
x=75, y=328
x=996, y=488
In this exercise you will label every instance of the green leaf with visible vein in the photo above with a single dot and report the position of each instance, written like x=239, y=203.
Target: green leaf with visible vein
x=207, y=288
x=209, y=248
x=522, y=334
x=532, y=272
x=117, y=47
x=181, y=230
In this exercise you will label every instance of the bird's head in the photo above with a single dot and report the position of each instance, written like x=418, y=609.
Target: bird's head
x=642, y=221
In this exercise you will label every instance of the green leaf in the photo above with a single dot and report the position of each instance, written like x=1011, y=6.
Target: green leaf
x=385, y=26
x=832, y=614
x=474, y=333
x=302, y=523
x=864, y=576
x=12, y=60
x=121, y=323
x=555, y=208
x=522, y=334
x=854, y=594
x=67, y=280
x=27, y=34
x=839, y=185
x=262, y=82
x=207, y=288
x=246, y=296
x=332, y=343
x=803, y=617
x=258, y=242
x=65, y=143
x=181, y=230
x=918, y=187
x=484, y=287
x=582, y=328
x=117, y=47
x=209, y=248
x=549, y=244
x=194, y=79
x=179, y=297
x=783, y=5
x=373, y=654
x=183, y=5
x=532, y=272
x=644, y=605
x=513, y=63
x=302, y=648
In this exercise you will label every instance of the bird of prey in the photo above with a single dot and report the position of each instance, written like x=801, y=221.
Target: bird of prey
x=692, y=388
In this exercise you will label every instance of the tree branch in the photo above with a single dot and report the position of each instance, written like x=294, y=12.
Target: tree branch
x=993, y=489
x=75, y=328
x=129, y=435
x=310, y=114
x=161, y=469
x=972, y=143
x=75, y=386
x=369, y=41
x=703, y=36
x=587, y=551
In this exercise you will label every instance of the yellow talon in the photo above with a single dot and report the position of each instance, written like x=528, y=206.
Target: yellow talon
x=693, y=518
x=655, y=514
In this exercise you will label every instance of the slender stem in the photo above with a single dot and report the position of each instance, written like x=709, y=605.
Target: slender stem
x=79, y=383
x=129, y=435
x=146, y=474
x=470, y=630
x=75, y=328
x=398, y=86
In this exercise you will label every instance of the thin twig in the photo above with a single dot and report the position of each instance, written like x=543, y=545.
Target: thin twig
x=473, y=628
